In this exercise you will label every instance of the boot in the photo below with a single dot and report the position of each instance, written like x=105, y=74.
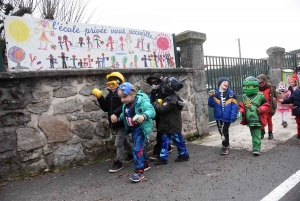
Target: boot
x=262, y=134
x=284, y=124
x=270, y=135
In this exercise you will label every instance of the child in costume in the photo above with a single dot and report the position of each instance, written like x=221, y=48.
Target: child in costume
x=170, y=123
x=113, y=106
x=292, y=87
x=253, y=111
x=283, y=108
x=224, y=102
x=270, y=93
x=295, y=99
x=137, y=114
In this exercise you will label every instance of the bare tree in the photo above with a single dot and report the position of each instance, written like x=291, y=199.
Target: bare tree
x=64, y=10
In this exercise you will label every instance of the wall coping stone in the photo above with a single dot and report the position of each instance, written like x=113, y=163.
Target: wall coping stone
x=190, y=37
x=79, y=72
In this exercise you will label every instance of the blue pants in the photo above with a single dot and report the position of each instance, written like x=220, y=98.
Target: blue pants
x=177, y=140
x=139, y=154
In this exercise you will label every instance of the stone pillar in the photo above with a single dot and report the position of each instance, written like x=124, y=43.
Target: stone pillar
x=191, y=48
x=275, y=62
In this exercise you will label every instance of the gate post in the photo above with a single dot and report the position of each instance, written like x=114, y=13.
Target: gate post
x=275, y=62
x=191, y=49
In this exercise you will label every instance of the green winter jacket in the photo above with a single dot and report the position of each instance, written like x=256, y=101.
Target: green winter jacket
x=142, y=107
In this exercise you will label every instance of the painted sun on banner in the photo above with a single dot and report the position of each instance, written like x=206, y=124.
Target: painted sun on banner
x=40, y=44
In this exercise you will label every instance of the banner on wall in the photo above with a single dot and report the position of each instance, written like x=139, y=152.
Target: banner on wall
x=40, y=44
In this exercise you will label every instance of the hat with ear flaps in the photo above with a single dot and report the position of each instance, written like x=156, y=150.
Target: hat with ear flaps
x=154, y=76
x=222, y=79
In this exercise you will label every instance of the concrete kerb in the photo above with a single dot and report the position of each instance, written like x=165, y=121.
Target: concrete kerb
x=240, y=137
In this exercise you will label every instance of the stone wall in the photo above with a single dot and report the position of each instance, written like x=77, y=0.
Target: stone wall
x=51, y=119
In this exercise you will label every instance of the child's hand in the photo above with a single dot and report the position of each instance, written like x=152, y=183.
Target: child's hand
x=138, y=119
x=97, y=93
x=280, y=100
x=259, y=110
x=211, y=93
x=113, y=118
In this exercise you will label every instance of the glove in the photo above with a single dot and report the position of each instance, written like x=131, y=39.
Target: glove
x=182, y=102
x=211, y=93
x=159, y=101
x=97, y=93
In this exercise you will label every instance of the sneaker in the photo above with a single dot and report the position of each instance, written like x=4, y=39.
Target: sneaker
x=256, y=152
x=262, y=134
x=284, y=124
x=270, y=135
x=182, y=158
x=137, y=177
x=147, y=167
x=224, y=150
x=117, y=166
x=170, y=150
x=128, y=159
x=298, y=137
x=154, y=157
x=160, y=162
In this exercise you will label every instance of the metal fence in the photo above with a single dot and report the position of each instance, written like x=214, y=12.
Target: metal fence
x=289, y=60
x=236, y=69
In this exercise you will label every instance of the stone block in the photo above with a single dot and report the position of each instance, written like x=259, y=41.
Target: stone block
x=39, y=94
x=39, y=107
x=84, y=130
x=14, y=119
x=49, y=148
x=28, y=139
x=26, y=156
x=87, y=89
x=102, y=129
x=36, y=166
x=91, y=105
x=68, y=155
x=8, y=139
x=67, y=106
x=55, y=130
x=64, y=92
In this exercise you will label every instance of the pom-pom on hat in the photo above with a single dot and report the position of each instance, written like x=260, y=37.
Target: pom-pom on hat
x=222, y=79
x=126, y=88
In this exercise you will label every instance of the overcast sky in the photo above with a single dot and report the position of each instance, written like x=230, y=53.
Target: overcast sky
x=259, y=24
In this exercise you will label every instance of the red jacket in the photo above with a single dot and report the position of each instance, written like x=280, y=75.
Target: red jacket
x=262, y=116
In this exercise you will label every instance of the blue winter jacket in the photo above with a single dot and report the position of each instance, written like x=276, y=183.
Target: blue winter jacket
x=295, y=99
x=230, y=109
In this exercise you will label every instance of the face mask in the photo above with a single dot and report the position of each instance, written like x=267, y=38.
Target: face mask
x=250, y=91
x=155, y=86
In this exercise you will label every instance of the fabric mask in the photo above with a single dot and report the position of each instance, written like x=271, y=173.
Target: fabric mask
x=250, y=86
x=155, y=86
x=250, y=91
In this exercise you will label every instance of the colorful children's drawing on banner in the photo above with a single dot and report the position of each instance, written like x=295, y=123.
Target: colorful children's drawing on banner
x=42, y=44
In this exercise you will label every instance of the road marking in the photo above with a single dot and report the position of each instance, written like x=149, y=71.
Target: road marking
x=283, y=188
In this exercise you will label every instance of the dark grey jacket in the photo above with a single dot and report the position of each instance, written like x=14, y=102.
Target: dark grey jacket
x=170, y=114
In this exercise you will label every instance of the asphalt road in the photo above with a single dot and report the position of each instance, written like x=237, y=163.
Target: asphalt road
x=207, y=176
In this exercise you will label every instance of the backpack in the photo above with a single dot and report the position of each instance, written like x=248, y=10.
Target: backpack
x=172, y=84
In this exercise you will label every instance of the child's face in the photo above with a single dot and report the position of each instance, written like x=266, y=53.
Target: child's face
x=112, y=85
x=224, y=85
x=127, y=99
x=292, y=83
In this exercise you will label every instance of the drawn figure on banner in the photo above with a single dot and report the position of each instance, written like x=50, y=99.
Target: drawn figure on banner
x=155, y=58
x=80, y=63
x=113, y=61
x=81, y=41
x=152, y=61
x=52, y=60
x=45, y=27
x=162, y=44
x=161, y=59
x=110, y=43
x=131, y=65
x=128, y=40
x=66, y=41
x=98, y=41
x=145, y=60
x=74, y=59
x=124, y=61
x=148, y=47
x=90, y=45
x=135, y=59
x=122, y=44
x=142, y=43
x=138, y=43
x=98, y=62
x=172, y=64
x=60, y=42
x=103, y=60
x=32, y=59
x=17, y=54
x=117, y=64
x=89, y=60
x=63, y=59
x=85, y=62
x=165, y=60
